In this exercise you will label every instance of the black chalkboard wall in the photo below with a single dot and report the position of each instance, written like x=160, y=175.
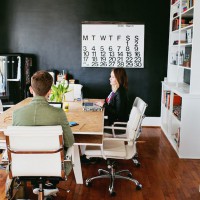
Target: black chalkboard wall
x=51, y=30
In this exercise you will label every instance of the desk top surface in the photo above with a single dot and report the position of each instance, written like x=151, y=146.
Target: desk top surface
x=88, y=121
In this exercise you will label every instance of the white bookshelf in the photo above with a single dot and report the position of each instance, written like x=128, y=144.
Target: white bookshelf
x=183, y=80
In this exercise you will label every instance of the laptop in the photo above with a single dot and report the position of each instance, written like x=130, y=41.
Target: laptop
x=90, y=106
x=56, y=104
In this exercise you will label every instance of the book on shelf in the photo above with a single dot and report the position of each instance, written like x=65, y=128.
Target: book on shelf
x=166, y=98
x=189, y=35
x=176, y=42
x=177, y=100
x=177, y=111
x=188, y=3
x=184, y=22
x=175, y=24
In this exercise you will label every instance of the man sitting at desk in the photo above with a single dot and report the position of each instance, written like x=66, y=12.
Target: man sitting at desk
x=39, y=113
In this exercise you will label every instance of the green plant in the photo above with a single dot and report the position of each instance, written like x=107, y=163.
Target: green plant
x=58, y=91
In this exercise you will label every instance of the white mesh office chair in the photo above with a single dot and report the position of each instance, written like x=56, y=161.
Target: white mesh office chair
x=141, y=105
x=117, y=148
x=35, y=153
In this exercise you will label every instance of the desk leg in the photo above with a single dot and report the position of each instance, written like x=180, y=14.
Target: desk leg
x=77, y=165
x=82, y=148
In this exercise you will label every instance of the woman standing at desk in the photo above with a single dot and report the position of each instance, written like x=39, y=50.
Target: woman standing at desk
x=116, y=104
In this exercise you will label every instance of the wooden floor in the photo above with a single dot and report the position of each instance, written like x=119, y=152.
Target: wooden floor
x=163, y=175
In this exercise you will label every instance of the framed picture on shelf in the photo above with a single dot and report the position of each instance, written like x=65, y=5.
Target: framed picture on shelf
x=189, y=35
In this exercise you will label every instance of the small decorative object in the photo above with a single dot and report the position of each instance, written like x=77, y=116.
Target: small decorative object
x=59, y=90
x=187, y=60
x=66, y=106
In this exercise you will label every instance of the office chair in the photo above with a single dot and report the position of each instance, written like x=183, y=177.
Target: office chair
x=141, y=105
x=35, y=153
x=117, y=148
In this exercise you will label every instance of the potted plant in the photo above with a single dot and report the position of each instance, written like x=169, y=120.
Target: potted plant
x=58, y=91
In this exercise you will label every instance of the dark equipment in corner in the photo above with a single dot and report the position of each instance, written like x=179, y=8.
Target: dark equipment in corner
x=15, y=77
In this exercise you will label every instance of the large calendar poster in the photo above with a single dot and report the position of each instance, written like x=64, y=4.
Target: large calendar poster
x=112, y=45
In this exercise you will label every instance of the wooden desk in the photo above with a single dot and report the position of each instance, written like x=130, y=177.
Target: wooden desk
x=88, y=132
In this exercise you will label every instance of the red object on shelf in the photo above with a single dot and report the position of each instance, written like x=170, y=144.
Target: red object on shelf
x=177, y=100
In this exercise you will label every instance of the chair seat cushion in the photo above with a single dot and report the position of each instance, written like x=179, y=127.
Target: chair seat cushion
x=111, y=149
x=114, y=148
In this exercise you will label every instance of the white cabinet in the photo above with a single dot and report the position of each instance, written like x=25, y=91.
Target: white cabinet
x=180, y=106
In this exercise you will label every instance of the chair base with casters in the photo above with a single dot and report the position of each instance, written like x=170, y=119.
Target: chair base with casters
x=112, y=174
x=135, y=160
x=17, y=189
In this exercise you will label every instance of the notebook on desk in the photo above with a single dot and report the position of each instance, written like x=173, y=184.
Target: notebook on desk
x=90, y=106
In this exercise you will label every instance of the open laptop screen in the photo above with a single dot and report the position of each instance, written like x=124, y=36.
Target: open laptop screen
x=90, y=106
x=56, y=104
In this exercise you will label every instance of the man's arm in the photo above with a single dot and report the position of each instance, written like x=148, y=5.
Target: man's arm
x=67, y=132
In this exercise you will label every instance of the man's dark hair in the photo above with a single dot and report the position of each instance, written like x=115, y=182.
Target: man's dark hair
x=41, y=82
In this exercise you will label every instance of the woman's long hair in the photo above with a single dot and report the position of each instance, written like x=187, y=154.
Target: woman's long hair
x=120, y=75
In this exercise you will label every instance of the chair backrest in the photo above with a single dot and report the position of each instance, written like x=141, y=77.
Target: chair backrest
x=140, y=104
x=35, y=150
x=133, y=123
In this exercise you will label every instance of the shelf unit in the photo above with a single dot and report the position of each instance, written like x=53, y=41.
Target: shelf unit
x=180, y=104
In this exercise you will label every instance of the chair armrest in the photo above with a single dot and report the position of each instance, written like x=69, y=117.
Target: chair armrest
x=121, y=123
x=105, y=117
x=34, y=152
x=116, y=139
x=113, y=128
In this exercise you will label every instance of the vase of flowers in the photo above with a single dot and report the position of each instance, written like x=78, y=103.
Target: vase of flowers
x=58, y=91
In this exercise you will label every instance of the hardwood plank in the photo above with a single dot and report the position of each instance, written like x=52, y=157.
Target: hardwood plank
x=93, y=139
x=163, y=175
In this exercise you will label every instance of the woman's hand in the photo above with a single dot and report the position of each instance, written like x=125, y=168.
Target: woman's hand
x=99, y=103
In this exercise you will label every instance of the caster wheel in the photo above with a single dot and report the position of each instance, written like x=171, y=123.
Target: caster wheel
x=130, y=175
x=48, y=198
x=137, y=164
x=136, y=155
x=88, y=183
x=138, y=187
x=112, y=193
x=100, y=172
